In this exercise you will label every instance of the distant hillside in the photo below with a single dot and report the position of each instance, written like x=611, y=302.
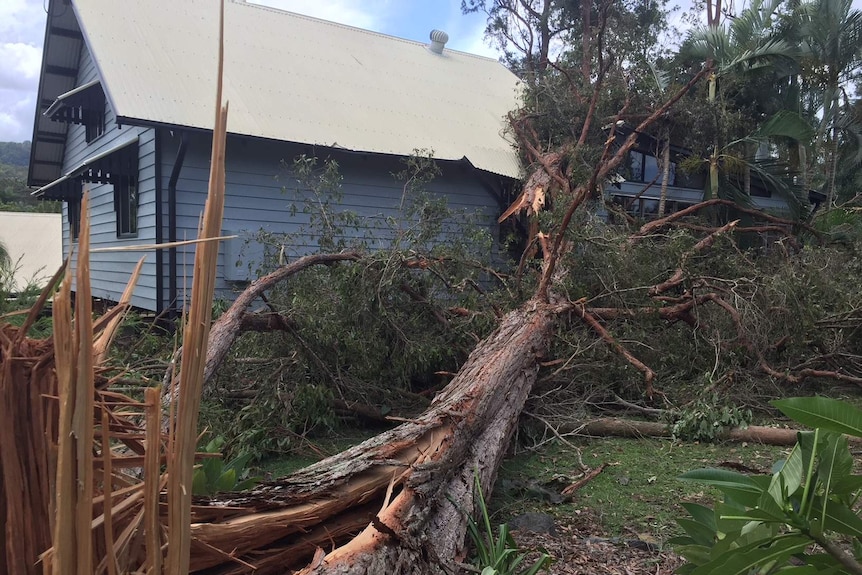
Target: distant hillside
x=14, y=193
x=15, y=153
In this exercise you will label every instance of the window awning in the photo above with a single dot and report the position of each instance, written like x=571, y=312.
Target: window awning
x=76, y=106
x=103, y=168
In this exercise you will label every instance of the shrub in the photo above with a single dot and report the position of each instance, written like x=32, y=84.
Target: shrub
x=801, y=515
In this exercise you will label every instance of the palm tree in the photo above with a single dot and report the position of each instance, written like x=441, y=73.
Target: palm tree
x=848, y=175
x=755, y=64
x=831, y=33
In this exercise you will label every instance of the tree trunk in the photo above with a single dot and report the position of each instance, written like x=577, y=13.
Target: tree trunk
x=630, y=428
x=665, y=174
x=400, y=485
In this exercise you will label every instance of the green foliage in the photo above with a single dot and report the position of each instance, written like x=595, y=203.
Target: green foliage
x=15, y=153
x=5, y=261
x=795, y=308
x=279, y=415
x=214, y=475
x=375, y=331
x=14, y=193
x=498, y=555
x=706, y=419
x=770, y=524
x=14, y=298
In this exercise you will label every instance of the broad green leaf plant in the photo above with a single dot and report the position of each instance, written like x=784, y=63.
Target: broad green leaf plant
x=803, y=519
x=498, y=555
x=214, y=475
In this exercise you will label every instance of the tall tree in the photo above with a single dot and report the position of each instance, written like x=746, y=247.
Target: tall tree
x=831, y=34
x=750, y=58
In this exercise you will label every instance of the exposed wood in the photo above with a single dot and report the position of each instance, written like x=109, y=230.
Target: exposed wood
x=589, y=476
x=184, y=428
x=27, y=462
x=103, y=342
x=64, y=538
x=82, y=392
x=465, y=431
x=108, y=489
x=152, y=525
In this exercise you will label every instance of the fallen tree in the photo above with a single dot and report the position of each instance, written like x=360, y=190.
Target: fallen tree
x=398, y=502
x=617, y=427
x=414, y=482
x=411, y=487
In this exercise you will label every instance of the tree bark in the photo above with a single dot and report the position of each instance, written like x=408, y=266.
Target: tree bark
x=631, y=428
x=405, y=479
x=665, y=173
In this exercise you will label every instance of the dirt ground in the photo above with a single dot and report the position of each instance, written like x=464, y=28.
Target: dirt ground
x=576, y=550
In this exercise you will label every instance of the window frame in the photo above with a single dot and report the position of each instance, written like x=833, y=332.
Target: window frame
x=73, y=213
x=94, y=117
x=95, y=126
x=126, y=205
x=640, y=176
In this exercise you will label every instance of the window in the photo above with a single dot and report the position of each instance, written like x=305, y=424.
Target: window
x=94, y=122
x=84, y=105
x=644, y=168
x=126, y=206
x=73, y=209
x=647, y=208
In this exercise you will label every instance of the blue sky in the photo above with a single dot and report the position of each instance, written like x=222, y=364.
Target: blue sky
x=22, y=25
x=411, y=19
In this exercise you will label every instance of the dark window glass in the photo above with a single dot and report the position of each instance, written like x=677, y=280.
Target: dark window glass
x=126, y=205
x=73, y=207
x=650, y=170
x=636, y=163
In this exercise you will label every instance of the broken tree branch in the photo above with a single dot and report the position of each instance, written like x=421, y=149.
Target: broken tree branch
x=227, y=327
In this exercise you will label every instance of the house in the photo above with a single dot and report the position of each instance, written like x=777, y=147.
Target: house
x=637, y=188
x=126, y=107
x=33, y=241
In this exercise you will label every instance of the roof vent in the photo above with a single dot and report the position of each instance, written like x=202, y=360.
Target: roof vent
x=438, y=40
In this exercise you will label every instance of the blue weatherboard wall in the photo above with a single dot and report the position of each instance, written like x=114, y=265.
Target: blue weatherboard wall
x=110, y=272
x=263, y=195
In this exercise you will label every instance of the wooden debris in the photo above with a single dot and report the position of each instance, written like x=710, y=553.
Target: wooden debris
x=569, y=491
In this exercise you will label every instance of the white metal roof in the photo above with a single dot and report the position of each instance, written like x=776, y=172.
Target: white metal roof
x=300, y=79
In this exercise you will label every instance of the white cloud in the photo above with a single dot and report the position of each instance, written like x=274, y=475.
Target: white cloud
x=21, y=71
x=22, y=21
x=22, y=25
x=369, y=15
x=16, y=116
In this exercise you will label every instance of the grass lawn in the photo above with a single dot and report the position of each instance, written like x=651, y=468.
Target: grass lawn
x=637, y=494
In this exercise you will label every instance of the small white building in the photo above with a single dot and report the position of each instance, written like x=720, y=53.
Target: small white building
x=35, y=245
